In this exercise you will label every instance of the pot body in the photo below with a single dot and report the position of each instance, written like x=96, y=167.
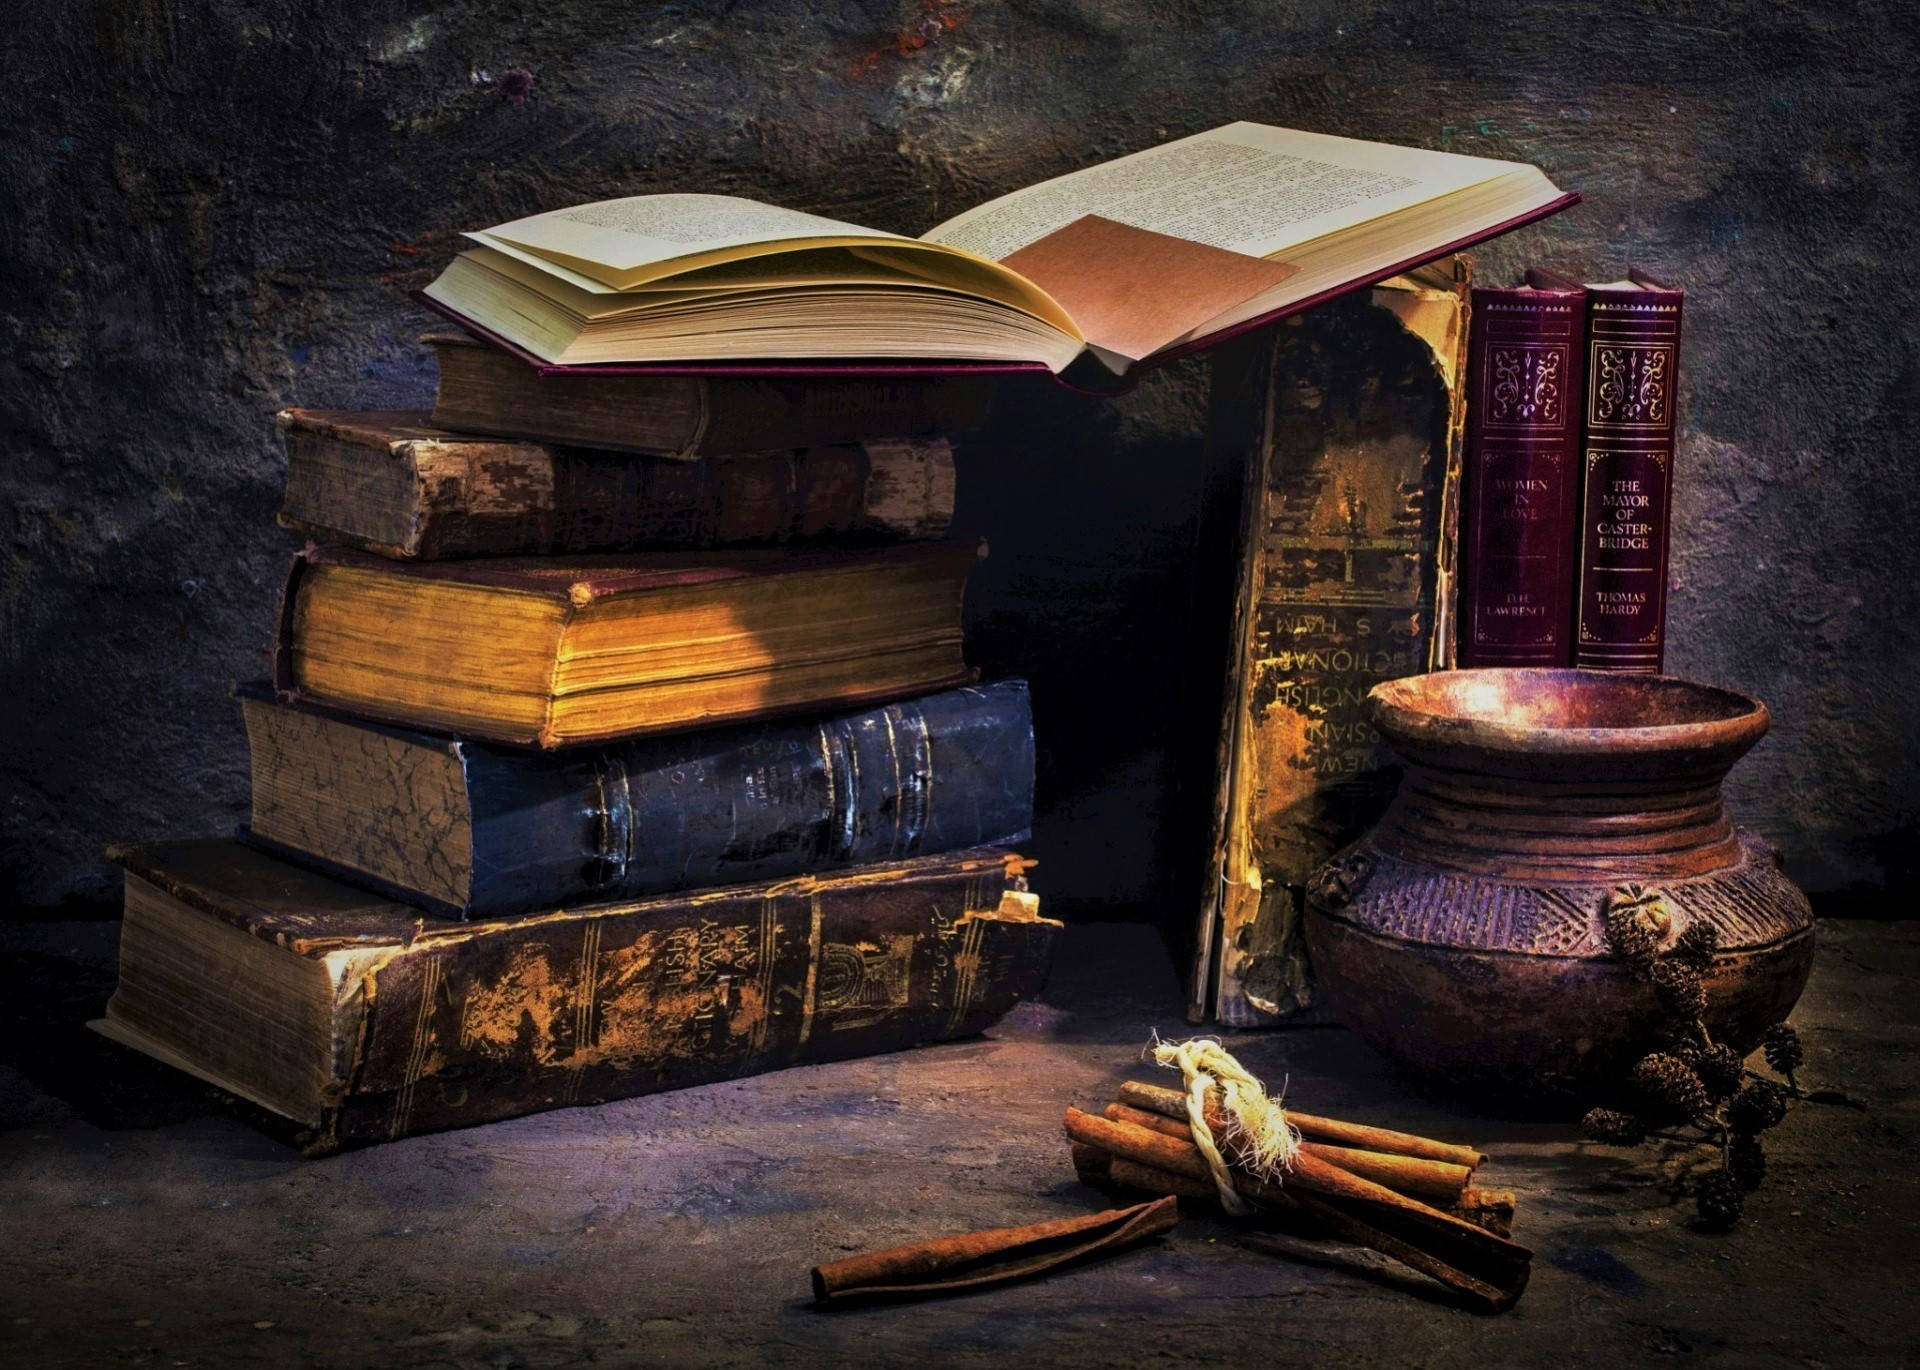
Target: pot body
x=1464, y=937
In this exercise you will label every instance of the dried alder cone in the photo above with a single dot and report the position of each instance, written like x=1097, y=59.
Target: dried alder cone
x=1692, y=1081
x=1405, y=1196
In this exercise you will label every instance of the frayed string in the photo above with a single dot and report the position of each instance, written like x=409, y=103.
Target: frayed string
x=1264, y=1141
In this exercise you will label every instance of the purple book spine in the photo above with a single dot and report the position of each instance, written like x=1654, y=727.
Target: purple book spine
x=1520, y=490
x=1633, y=371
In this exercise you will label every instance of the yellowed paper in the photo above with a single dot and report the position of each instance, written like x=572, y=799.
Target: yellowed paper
x=1246, y=188
x=618, y=237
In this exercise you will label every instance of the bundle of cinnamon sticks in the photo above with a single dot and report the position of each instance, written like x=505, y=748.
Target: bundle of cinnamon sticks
x=1408, y=1197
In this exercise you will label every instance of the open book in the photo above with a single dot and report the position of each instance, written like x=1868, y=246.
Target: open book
x=1136, y=259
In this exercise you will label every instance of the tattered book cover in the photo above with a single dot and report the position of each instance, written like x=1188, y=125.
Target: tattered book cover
x=435, y=1024
x=1351, y=421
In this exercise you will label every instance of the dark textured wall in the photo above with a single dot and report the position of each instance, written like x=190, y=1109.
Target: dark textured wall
x=211, y=209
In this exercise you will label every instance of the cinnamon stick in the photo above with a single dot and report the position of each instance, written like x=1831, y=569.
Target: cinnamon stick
x=1489, y=1295
x=1153, y=1122
x=1090, y=1163
x=1171, y=1103
x=1178, y=1155
x=974, y=1260
x=1487, y=1269
x=1132, y=1175
x=1461, y=1244
x=1439, y=1181
x=1488, y=1208
x=1324, y=1217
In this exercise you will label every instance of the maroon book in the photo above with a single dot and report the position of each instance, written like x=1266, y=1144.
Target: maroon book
x=1520, y=492
x=1633, y=374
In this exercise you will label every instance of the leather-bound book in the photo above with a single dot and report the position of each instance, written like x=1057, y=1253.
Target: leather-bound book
x=392, y=483
x=1346, y=427
x=551, y=651
x=476, y=830
x=347, y=1015
x=1626, y=510
x=491, y=392
x=1520, y=485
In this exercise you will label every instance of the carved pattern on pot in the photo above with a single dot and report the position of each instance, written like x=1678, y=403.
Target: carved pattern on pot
x=1408, y=900
x=1475, y=948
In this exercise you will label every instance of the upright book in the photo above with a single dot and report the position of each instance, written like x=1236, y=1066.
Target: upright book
x=1346, y=425
x=1520, y=488
x=392, y=484
x=1132, y=261
x=485, y=831
x=1627, y=456
x=347, y=1015
x=550, y=651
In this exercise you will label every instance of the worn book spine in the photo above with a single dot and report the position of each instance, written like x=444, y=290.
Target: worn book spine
x=450, y=1025
x=395, y=485
x=575, y=583
x=1520, y=492
x=487, y=390
x=1626, y=512
x=1348, y=424
x=716, y=807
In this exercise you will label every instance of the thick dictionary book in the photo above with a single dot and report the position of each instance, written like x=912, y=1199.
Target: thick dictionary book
x=348, y=1015
x=1347, y=425
x=1626, y=473
x=391, y=483
x=1520, y=486
x=550, y=651
x=482, y=831
x=488, y=390
x=1125, y=263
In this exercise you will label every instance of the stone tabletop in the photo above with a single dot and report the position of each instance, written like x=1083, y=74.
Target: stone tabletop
x=143, y=1221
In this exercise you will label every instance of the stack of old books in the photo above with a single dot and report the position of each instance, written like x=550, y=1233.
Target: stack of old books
x=618, y=738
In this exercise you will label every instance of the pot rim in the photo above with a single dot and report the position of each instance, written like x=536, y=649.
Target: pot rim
x=1738, y=723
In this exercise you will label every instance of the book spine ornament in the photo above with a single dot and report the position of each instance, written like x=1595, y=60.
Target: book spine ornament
x=1521, y=488
x=1633, y=373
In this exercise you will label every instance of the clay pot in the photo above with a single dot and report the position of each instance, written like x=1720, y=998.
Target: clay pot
x=1464, y=937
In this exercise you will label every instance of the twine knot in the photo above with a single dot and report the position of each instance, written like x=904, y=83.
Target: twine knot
x=1263, y=1140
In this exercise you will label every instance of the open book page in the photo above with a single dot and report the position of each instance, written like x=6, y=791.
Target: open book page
x=800, y=266
x=682, y=242
x=625, y=242
x=910, y=266
x=1093, y=268
x=967, y=274
x=1246, y=188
